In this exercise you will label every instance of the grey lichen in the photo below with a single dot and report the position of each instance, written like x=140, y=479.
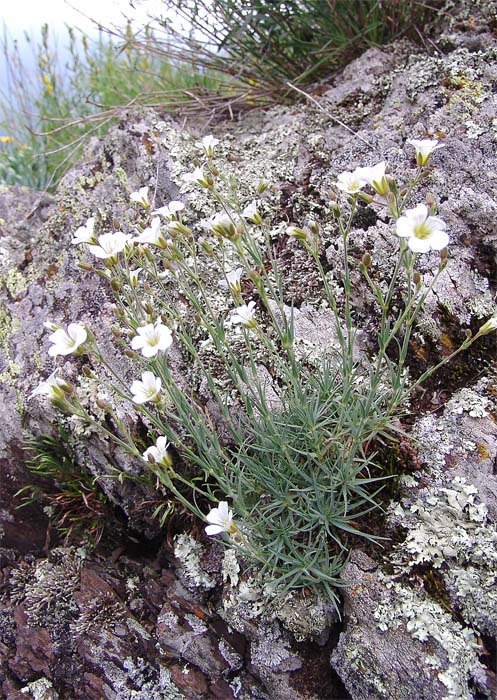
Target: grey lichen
x=453, y=648
x=189, y=552
x=46, y=587
x=41, y=689
x=449, y=529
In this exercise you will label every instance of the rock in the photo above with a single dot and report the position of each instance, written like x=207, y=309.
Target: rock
x=380, y=660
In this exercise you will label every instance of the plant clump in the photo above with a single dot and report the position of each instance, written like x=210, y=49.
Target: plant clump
x=292, y=472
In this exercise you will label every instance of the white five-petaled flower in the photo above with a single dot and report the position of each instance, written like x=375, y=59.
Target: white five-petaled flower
x=351, y=182
x=220, y=520
x=152, y=338
x=170, y=210
x=252, y=213
x=207, y=145
x=148, y=389
x=141, y=197
x=376, y=177
x=423, y=232
x=159, y=453
x=54, y=387
x=232, y=280
x=85, y=234
x=152, y=234
x=245, y=315
x=424, y=148
x=65, y=343
x=198, y=177
x=109, y=245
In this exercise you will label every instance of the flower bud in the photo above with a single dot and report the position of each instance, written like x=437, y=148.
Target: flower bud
x=87, y=372
x=298, y=233
x=416, y=278
x=115, y=331
x=102, y=404
x=363, y=196
x=148, y=308
x=366, y=260
x=84, y=266
x=51, y=326
x=262, y=186
x=489, y=326
x=115, y=284
x=176, y=227
x=129, y=353
x=313, y=227
x=392, y=185
x=206, y=246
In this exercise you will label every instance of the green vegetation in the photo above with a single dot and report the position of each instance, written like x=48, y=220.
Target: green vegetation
x=46, y=114
x=238, y=55
x=267, y=44
x=77, y=507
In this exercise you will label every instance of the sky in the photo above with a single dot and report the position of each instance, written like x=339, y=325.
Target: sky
x=24, y=15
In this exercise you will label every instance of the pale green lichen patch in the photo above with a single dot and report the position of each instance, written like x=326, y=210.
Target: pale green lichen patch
x=189, y=552
x=426, y=621
x=449, y=529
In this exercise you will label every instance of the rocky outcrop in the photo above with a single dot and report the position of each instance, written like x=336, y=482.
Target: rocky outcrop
x=153, y=619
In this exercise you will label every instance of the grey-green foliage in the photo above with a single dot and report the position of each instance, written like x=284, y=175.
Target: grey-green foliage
x=303, y=476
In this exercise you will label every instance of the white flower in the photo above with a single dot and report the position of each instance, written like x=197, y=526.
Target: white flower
x=232, y=280
x=53, y=387
x=252, y=213
x=141, y=197
x=109, y=245
x=424, y=232
x=424, y=148
x=152, y=234
x=133, y=276
x=207, y=145
x=223, y=225
x=245, y=315
x=489, y=326
x=376, y=177
x=159, y=453
x=152, y=338
x=221, y=520
x=196, y=177
x=351, y=182
x=148, y=389
x=84, y=234
x=65, y=343
x=170, y=210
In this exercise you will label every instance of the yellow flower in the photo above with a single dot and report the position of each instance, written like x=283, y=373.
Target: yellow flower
x=48, y=84
x=6, y=139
